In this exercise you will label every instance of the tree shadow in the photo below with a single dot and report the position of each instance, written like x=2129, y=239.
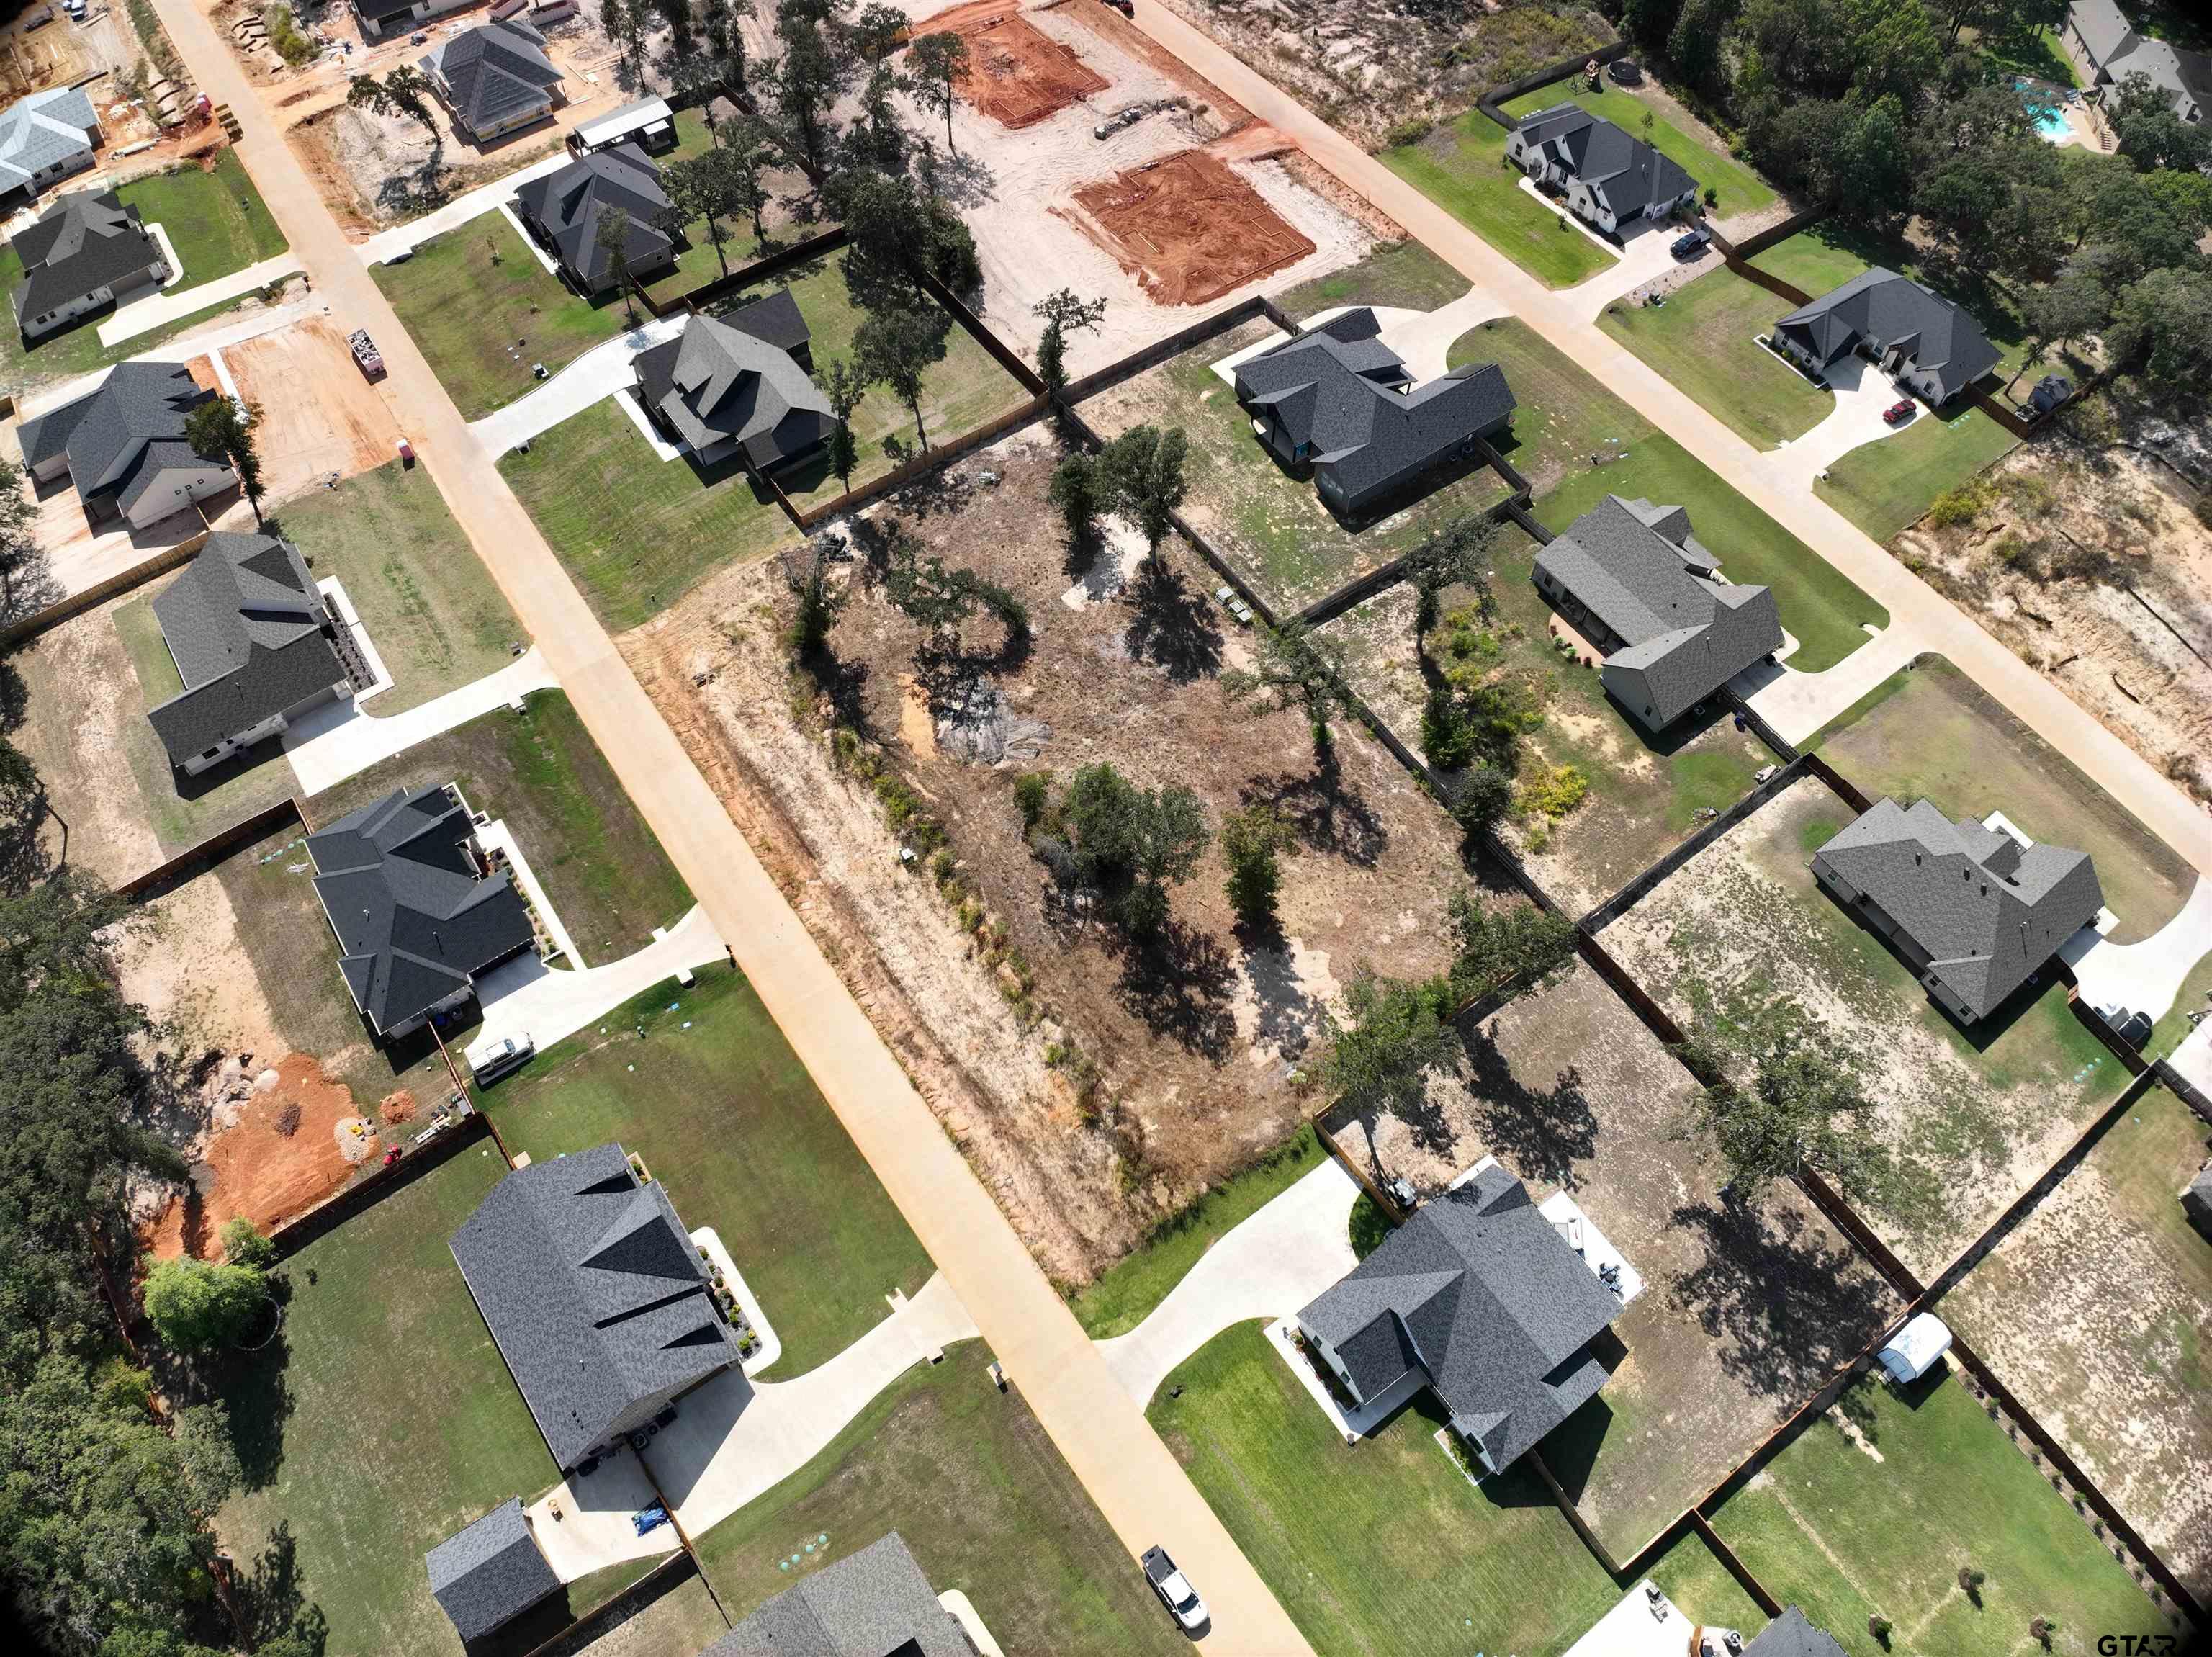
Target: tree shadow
x=1171, y=627
x=1325, y=814
x=417, y=189
x=25, y=588
x=270, y=1596
x=1178, y=984
x=1290, y=1019
x=255, y=1385
x=1542, y=1133
x=965, y=181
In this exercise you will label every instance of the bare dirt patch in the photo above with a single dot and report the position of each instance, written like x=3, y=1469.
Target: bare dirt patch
x=320, y=420
x=1016, y=75
x=184, y=963
x=1189, y=228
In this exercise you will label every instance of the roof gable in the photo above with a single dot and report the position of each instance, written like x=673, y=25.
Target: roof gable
x=875, y=1603
x=570, y=202
x=47, y=127
x=495, y=71
x=85, y=242
x=1890, y=311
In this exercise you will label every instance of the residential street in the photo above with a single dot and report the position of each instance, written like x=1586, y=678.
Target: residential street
x=1137, y=1483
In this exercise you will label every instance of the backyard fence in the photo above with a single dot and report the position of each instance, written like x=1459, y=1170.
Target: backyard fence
x=375, y=1185
x=285, y=813
x=594, y=1625
x=721, y=286
x=1490, y=102
x=1641, y=884
x=98, y=592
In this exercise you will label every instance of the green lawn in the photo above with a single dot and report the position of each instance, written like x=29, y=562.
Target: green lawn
x=698, y=263
x=484, y=311
x=364, y=1480
x=1705, y=339
x=1738, y=188
x=1125, y=1295
x=426, y=602
x=1461, y=167
x=1404, y=274
x=1884, y=487
x=1383, y=1547
x=1565, y=416
x=721, y=1108
x=2035, y=52
x=637, y=532
x=982, y=1500
x=2195, y=996
x=1830, y=1528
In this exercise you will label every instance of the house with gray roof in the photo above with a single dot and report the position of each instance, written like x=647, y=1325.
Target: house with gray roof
x=494, y=79
x=562, y=210
x=875, y=1603
x=487, y=1574
x=256, y=645
x=418, y=911
x=1336, y=400
x=1630, y=577
x=86, y=251
x=123, y=448
x=1608, y=178
x=1975, y=910
x=595, y=1295
x=1791, y=1635
x=1483, y=1300
x=381, y=19
x=45, y=139
x=1911, y=334
x=738, y=385
x=2108, y=48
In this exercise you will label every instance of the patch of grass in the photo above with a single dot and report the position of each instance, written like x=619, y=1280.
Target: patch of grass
x=381, y=1420
x=1705, y=339
x=2195, y=996
x=1710, y=781
x=484, y=311
x=697, y=265
x=1369, y=1228
x=1738, y=189
x=1692, y=1576
x=681, y=1623
x=1884, y=487
x=1124, y=1295
x=1382, y=1548
x=426, y=602
x=1404, y=274
x=637, y=532
x=1461, y=167
x=540, y=773
x=1844, y=1536
x=1565, y=416
x=713, y=1099
x=2035, y=52
x=981, y=1497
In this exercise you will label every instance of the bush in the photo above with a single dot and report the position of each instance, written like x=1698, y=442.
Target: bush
x=1712, y=197
x=1031, y=790
x=1405, y=132
x=1249, y=841
x=1552, y=792
x=1447, y=738
x=1959, y=506
x=284, y=34
x=245, y=1246
x=195, y=1307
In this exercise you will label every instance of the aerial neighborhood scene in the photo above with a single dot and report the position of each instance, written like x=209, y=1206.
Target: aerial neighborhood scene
x=960, y=828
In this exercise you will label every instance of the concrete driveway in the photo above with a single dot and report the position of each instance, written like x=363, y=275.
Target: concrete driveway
x=1269, y=1267
x=582, y=1525
x=2146, y=977
x=338, y=741
x=599, y=372
x=388, y=244
x=1797, y=704
x=1862, y=392
x=1645, y=258
x=159, y=310
x=523, y=996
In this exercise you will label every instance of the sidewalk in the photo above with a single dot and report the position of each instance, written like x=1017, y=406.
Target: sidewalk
x=600, y=373
x=159, y=310
x=338, y=741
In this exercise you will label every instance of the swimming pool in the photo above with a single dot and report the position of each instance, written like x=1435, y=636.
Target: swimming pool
x=2044, y=110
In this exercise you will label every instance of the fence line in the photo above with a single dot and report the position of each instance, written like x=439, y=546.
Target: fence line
x=211, y=851
x=1640, y=884
x=67, y=609
x=2183, y=1089
x=1760, y=241
x=1162, y=350
x=595, y=1624
x=900, y=475
x=696, y=299
x=374, y=1186
x=1735, y=1567
x=1490, y=100
x=1573, y=1514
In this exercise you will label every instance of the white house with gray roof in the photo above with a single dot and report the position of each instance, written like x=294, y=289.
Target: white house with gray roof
x=1631, y=579
x=489, y=1572
x=45, y=139
x=1486, y=1302
x=494, y=79
x=1912, y=334
x=123, y=446
x=1609, y=179
x=1975, y=910
x=875, y=1603
x=86, y=251
x=738, y=385
x=2108, y=48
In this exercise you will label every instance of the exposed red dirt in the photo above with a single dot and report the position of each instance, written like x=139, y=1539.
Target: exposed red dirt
x=1017, y=73
x=1187, y=228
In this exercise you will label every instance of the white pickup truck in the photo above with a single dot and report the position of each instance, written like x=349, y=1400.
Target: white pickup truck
x=491, y=1059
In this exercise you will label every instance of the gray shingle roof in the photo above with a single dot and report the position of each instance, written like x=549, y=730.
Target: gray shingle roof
x=45, y=128
x=1886, y=310
x=495, y=72
x=593, y=1293
x=414, y=921
x=569, y=204
x=243, y=623
x=105, y=433
x=875, y=1603
x=724, y=378
x=1636, y=568
x=2183, y=75
x=1626, y=172
x=489, y=1573
x=1791, y=1636
x=2103, y=26
x=85, y=242
x=1984, y=912
x=1481, y=1292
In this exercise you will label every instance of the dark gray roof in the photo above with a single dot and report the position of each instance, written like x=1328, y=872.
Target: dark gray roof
x=568, y=205
x=1636, y=568
x=1886, y=310
x=593, y=1292
x=107, y=432
x=495, y=72
x=724, y=378
x=1480, y=1291
x=875, y=1603
x=45, y=128
x=85, y=240
x=2103, y=26
x=489, y=1573
x=415, y=920
x=379, y=11
x=1790, y=1636
x=1626, y=171
x=1341, y=393
x=243, y=623
x=1985, y=912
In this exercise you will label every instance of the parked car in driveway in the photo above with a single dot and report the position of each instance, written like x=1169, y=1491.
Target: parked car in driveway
x=1174, y=1590
x=1690, y=244
x=1900, y=411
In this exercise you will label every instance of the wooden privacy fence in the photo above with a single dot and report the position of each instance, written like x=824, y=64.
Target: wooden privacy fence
x=1490, y=102
x=1638, y=886
x=285, y=813
x=98, y=592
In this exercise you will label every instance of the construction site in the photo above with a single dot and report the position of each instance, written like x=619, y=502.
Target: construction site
x=1016, y=75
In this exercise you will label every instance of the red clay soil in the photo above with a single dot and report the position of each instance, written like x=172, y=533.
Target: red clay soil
x=262, y=1173
x=1187, y=228
x=1017, y=73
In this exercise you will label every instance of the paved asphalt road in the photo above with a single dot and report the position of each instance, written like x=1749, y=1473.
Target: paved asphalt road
x=1138, y=1485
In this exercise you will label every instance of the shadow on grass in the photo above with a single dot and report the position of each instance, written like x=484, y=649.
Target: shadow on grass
x=1178, y=984
x=1325, y=814
x=1172, y=626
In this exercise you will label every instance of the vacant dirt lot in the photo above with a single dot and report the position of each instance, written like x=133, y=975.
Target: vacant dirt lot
x=1197, y=1041
x=1187, y=228
x=1747, y=1308
x=319, y=417
x=1016, y=76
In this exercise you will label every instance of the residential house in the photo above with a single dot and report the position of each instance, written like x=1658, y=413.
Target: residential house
x=1913, y=335
x=2197, y=1201
x=123, y=446
x=1976, y=908
x=1337, y=400
x=562, y=210
x=1630, y=577
x=875, y=1603
x=1482, y=1299
x=2107, y=48
x=380, y=19
x=418, y=911
x=649, y=123
x=45, y=139
x=595, y=1297
x=86, y=251
x=1609, y=179
x=256, y=645
x=494, y=79
x=1791, y=1635
x=487, y=1574
x=738, y=385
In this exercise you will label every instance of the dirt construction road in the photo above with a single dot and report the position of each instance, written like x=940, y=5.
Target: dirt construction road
x=1138, y=1485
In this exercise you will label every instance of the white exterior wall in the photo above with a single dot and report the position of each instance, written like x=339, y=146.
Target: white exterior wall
x=176, y=489
x=275, y=725
x=37, y=327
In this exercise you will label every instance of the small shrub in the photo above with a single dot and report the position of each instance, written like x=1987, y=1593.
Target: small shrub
x=968, y=914
x=1712, y=196
x=1031, y=790
x=1405, y=132
x=1554, y=792
x=2009, y=547
x=1961, y=505
x=844, y=747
